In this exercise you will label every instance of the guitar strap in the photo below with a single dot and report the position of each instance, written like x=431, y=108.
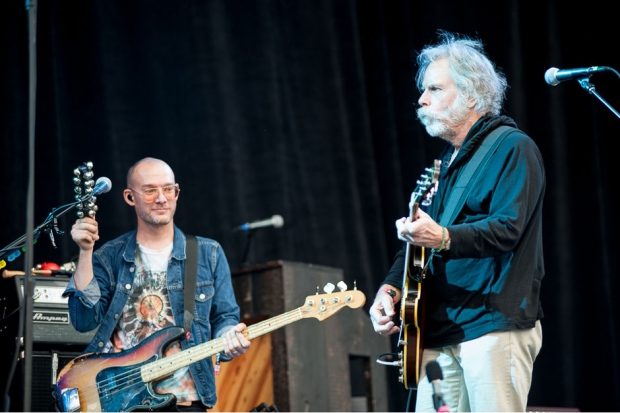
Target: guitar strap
x=467, y=178
x=189, y=281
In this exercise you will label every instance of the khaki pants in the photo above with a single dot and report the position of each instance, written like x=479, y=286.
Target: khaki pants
x=492, y=373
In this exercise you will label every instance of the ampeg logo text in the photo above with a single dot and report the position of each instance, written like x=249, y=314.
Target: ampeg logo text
x=51, y=317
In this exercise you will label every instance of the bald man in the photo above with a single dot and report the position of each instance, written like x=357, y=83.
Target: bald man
x=133, y=287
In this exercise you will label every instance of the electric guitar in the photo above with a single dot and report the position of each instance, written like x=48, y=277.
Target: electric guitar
x=412, y=301
x=115, y=382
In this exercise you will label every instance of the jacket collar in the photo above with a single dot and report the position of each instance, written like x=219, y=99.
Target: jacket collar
x=178, y=245
x=476, y=135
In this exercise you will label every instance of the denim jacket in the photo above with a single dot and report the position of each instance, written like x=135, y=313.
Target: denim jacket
x=101, y=303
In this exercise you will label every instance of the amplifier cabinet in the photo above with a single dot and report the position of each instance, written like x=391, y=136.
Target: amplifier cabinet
x=46, y=364
x=50, y=312
x=315, y=366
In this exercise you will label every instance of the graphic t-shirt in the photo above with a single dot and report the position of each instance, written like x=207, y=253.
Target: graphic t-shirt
x=148, y=311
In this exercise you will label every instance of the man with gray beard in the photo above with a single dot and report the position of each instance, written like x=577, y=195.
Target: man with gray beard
x=480, y=319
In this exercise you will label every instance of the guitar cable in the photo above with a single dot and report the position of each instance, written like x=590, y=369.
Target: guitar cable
x=396, y=363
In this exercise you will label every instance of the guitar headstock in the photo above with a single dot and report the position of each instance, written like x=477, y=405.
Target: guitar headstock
x=426, y=186
x=323, y=306
x=84, y=184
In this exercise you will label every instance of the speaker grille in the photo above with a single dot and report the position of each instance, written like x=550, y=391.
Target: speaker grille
x=44, y=379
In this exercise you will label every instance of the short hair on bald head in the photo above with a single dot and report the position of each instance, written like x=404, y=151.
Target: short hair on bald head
x=133, y=167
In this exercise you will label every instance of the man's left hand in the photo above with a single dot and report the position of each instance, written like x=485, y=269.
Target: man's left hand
x=235, y=342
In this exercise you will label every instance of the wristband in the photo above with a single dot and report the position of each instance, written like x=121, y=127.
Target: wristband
x=443, y=240
x=391, y=292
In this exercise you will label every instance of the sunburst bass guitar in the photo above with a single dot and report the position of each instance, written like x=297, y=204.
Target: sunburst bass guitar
x=412, y=300
x=115, y=382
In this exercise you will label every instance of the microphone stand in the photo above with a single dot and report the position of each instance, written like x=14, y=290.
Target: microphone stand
x=589, y=87
x=246, y=250
x=25, y=329
x=50, y=225
x=31, y=7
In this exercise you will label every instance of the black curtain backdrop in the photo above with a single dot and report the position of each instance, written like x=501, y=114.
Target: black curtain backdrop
x=306, y=109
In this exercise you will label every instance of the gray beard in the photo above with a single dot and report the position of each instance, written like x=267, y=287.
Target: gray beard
x=434, y=126
x=441, y=126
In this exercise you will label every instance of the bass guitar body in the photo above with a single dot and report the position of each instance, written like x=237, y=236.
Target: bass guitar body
x=412, y=301
x=112, y=382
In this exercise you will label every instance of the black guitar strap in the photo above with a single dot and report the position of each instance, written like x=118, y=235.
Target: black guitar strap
x=468, y=176
x=189, y=281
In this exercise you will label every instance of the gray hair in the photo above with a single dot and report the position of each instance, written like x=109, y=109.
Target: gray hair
x=474, y=75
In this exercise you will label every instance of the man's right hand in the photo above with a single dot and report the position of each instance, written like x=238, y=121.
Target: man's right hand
x=85, y=233
x=382, y=311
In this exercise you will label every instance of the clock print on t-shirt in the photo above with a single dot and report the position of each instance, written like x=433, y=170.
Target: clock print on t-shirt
x=147, y=310
x=151, y=307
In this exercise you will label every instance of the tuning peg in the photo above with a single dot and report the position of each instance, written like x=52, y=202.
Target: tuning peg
x=329, y=287
x=342, y=286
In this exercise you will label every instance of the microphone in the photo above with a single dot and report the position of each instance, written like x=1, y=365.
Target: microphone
x=102, y=186
x=275, y=221
x=554, y=76
x=434, y=376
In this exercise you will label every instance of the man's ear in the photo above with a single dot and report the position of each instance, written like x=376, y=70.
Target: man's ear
x=129, y=198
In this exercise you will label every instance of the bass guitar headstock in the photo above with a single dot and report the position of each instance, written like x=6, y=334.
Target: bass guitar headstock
x=83, y=179
x=322, y=306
